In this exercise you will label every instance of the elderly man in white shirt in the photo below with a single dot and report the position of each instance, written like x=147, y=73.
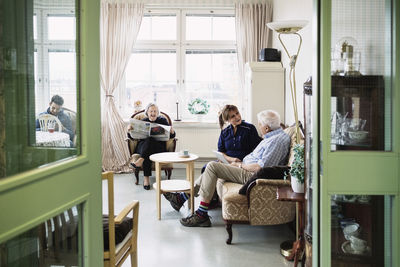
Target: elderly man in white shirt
x=273, y=150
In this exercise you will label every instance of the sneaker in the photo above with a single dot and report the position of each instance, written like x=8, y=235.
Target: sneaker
x=173, y=199
x=196, y=221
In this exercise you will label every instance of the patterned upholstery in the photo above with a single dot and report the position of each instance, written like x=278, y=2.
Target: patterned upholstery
x=170, y=146
x=259, y=206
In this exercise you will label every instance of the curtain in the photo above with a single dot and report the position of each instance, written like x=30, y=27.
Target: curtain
x=119, y=27
x=251, y=31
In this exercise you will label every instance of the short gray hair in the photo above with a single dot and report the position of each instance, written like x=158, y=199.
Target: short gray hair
x=269, y=118
x=151, y=104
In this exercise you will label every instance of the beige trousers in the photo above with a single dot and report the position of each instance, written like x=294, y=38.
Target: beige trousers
x=206, y=183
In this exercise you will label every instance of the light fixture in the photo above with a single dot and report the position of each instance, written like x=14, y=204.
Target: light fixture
x=291, y=27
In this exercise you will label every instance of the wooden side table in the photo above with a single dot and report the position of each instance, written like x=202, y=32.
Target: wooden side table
x=286, y=194
x=174, y=185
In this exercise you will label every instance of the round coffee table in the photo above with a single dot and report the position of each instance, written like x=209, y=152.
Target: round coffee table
x=174, y=185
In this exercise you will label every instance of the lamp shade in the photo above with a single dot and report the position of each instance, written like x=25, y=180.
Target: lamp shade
x=287, y=26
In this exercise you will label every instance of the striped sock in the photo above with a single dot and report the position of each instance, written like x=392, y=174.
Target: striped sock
x=202, y=211
x=184, y=196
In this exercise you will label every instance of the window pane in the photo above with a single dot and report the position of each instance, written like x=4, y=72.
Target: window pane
x=210, y=27
x=51, y=243
x=63, y=77
x=158, y=27
x=31, y=74
x=361, y=230
x=211, y=76
x=361, y=77
x=61, y=27
x=150, y=77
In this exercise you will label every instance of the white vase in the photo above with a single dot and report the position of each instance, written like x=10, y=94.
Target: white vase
x=200, y=117
x=297, y=187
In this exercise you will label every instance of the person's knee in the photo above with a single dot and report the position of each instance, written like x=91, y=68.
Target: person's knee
x=211, y=166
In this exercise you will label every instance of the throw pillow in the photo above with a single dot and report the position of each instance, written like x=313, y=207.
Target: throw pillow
x=274, y=172
x=121, y=230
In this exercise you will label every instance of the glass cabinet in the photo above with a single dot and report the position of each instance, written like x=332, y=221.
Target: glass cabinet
x=357, y=120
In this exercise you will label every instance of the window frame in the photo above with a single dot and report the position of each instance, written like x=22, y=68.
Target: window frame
x=180, y=45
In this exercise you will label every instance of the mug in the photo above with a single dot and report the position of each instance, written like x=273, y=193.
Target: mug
x=185, y=152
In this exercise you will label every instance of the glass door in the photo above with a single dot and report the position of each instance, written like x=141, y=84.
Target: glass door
x=358, y=165
x=49, y=168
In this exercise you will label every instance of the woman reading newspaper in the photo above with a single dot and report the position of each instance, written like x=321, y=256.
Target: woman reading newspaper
x=150, y=142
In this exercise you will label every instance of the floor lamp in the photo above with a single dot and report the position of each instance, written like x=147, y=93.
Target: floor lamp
x=291, y=27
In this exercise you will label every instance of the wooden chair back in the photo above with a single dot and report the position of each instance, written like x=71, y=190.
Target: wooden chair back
x=117, y=253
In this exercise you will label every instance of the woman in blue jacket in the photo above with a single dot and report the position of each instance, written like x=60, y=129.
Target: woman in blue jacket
x=239, y=138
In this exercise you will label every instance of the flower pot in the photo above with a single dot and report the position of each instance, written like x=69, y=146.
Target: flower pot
x=297, y=187
x=200, y=117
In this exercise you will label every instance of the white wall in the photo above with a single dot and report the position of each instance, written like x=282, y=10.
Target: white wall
x=295, y=10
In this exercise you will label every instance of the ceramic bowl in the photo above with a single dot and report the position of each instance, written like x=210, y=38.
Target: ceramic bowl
x=351, y=230
x=358, y=136
x=357, y=244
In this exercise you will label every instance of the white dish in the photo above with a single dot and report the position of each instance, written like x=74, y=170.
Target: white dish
x=346, y=247
x=288, y=26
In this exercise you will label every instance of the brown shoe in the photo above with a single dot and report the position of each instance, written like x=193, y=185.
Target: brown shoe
x=174, y=200
x=196, y=221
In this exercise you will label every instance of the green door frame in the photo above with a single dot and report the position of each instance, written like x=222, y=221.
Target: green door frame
x=350, y=172
x=31, y=197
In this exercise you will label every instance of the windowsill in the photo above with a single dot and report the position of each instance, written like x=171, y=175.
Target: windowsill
x=190, y=124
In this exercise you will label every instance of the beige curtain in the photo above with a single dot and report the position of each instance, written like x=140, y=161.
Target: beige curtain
x=251, y=31
x=119, y=26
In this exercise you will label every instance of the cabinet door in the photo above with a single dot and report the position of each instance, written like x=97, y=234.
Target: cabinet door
x=358, y=164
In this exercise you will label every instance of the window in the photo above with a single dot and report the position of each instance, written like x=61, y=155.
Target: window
x=55, y=56
x=181, y=55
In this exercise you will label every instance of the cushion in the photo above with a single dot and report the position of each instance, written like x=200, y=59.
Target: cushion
x=121, y=230
x=274, y=172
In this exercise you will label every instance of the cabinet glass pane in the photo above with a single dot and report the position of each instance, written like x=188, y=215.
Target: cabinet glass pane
x=361, y=230
x=361, y=75
x=35, y=128
x=55, y=242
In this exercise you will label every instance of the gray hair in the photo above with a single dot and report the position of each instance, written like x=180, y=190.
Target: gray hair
x=149, y=106
x=269, y=118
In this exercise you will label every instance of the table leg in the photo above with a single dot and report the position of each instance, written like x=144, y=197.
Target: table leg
x=191, y=175
x=158, y=181
x=189, y=179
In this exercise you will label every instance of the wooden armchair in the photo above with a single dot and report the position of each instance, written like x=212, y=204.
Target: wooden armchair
x=117, y=253
x=259, y=206
x=132, y=143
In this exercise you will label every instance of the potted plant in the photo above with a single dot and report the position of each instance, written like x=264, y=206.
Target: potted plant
x=297, y=169
x=198, y=106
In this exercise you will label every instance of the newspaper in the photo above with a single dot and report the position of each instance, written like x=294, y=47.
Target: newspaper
x=143, y=129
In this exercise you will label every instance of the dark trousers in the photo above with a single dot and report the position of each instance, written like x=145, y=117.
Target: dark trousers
x=146, y=148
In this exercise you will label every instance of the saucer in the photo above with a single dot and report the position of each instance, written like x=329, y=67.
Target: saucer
x=346, y=247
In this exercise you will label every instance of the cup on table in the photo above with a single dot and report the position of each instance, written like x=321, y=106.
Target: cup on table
x=50, y=129
x=357, y=244
x=185, y=152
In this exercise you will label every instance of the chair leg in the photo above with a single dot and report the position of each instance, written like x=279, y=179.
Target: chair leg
x=137, y=176
x=134, y=259
x=228, y=227
x=168, y=173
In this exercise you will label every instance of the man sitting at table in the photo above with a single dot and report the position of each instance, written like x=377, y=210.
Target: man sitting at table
x=55, y=109
x=272, y=150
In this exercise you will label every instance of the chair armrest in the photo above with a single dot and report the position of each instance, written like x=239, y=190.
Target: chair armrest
x=124, y=213
x=265, y=182
x=171, y=144
x=132, y=143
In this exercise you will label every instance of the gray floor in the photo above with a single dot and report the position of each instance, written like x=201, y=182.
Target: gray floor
x=167, y=243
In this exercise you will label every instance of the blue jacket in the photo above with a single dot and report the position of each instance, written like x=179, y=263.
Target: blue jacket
x=240, y=144
x=64, y=119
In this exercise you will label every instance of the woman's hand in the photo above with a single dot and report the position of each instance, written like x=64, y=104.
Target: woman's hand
x=130, y=127
x=172, y=131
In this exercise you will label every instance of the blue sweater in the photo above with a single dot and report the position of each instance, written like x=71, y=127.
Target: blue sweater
x=240, y=144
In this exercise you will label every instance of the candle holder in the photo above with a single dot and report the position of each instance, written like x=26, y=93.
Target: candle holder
x=177, y=112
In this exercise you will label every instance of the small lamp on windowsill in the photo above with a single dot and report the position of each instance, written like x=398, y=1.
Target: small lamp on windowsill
x=291, y=27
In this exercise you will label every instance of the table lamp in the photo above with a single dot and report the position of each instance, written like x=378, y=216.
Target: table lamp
x=291, y=27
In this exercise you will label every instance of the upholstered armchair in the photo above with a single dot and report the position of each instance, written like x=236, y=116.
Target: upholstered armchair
x=259, y=205
x=132, y=143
